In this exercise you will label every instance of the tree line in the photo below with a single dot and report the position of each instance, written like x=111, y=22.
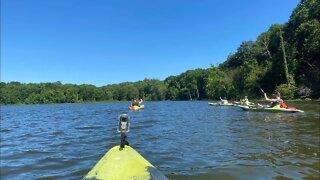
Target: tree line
x=285, y=58
x=44, y=93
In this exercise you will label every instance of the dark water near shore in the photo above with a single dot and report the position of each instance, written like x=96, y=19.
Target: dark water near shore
x=184, y=140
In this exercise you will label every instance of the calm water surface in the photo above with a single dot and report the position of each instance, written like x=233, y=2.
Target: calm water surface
x=184, y=140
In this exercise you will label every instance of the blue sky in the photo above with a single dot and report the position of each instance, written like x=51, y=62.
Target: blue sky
x=103, y=42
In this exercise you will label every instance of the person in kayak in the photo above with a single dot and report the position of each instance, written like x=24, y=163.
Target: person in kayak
x=224, y=101
x=245, y=100
x=140, y=102
x=135, y=103
x=276, y=101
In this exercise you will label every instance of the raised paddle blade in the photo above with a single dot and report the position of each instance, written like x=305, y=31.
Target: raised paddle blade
x=258, y=86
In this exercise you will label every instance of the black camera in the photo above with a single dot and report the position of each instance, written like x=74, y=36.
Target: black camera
x=123, y=124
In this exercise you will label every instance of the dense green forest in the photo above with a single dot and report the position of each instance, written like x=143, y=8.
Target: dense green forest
x=284, y=58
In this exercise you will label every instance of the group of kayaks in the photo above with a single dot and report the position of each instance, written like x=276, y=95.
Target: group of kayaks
x=256, y=108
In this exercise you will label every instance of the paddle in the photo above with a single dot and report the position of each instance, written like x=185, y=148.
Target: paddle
x=262, y=91
x=258, y=86
x=225, y=89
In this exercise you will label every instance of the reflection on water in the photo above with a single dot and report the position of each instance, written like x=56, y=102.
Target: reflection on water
x=185, y=140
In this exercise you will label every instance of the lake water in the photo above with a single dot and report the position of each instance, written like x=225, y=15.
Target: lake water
x=184, y=140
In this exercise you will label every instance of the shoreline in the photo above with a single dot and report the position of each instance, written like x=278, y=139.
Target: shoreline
x=114, y=101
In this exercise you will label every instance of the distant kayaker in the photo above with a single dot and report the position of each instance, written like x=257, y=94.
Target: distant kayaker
x=135, y=103
x=245, y=100
x=140, y=102
x=224, y=101
x=276, y=101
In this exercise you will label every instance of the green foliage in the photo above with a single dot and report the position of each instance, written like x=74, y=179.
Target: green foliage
x=47, y=93
x=272, y=59
x=218, y=84
x=252, y=73
x=303, y=32
x=173, y=88
x=286, y=91
x=189, y=85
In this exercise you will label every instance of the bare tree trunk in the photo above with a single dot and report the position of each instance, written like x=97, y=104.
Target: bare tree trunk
x=266, y=46
x=284, y=58
x=197, y=93
x=190, y=97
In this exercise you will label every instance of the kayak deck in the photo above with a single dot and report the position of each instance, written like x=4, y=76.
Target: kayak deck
x=219, y=104
x=273, y=109
x=136, y=107
x=124, y=164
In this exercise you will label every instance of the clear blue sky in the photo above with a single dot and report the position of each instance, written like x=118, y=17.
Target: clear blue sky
x=103, y=42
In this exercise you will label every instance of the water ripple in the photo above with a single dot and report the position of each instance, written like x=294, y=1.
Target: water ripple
x=185, y=140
